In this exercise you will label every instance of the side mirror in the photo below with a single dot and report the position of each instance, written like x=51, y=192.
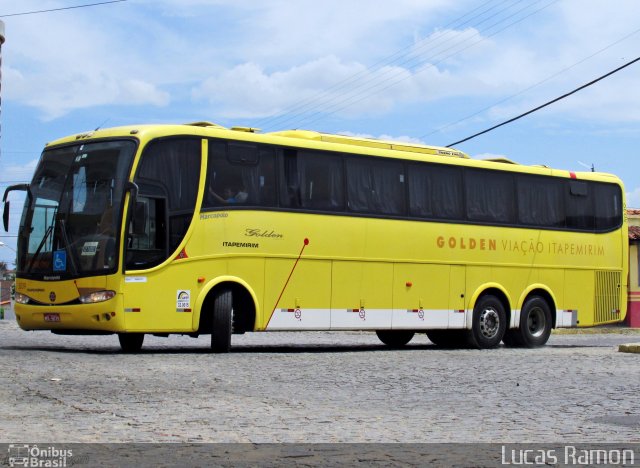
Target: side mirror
x=5, y=216
x=5, y=212
x=132, y=188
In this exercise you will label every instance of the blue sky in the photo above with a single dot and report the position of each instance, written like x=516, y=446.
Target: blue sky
x=412, y=70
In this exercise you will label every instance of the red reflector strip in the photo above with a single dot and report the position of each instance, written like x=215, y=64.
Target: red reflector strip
x=353, y=310
x=460, y=311
x=136, y=309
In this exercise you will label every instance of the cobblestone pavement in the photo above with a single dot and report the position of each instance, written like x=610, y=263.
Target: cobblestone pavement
x=314, y=387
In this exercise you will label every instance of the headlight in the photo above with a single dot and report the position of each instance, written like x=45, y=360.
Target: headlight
x=21, y=298
x=98, y=296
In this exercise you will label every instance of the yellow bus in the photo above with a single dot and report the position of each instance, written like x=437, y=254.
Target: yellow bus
x=199, y=229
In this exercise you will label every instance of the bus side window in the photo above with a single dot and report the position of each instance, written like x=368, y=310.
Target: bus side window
x=239, y=174
x=489, y=196
x=321, y=181
x=540, y=201
x=608, y=199
x=435, y=191
x=290, y=188
x=375, y=186
x=579, y=202
x=147, y=233
x=167, y=177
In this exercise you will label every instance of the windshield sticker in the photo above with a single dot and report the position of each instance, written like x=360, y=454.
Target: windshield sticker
x=89, y=248
x=59, y=260
x=183, y=301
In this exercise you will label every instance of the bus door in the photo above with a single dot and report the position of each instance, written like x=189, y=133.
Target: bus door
x=158, y=287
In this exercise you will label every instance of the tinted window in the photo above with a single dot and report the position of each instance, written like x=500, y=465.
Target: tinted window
x=608, y=201
x=312, y=181
x=239, y=174
x=375, y=186
x=435, y=191
x=490, y=196
x=579, y=205
x=168, y=179
x=540, y=201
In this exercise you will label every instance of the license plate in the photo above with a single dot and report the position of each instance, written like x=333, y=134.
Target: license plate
x=51, y=317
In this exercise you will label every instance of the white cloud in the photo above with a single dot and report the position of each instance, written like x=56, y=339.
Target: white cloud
x=59, y=66
x=250, y=60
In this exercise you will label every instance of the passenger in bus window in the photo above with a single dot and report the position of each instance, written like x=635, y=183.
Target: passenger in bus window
x=230, y=195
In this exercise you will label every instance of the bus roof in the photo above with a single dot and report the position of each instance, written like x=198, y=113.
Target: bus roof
x=317, y=140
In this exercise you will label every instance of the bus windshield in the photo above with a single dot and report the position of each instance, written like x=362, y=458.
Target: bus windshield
x=69, y=226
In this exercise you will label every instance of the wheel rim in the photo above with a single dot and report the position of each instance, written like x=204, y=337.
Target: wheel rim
x=489, y=322
x=536, y=322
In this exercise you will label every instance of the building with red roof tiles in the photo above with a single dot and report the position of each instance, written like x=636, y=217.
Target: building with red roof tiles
x=633, y=307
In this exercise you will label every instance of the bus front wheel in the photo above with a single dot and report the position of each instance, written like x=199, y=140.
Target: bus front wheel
x=535, y=325
x=131, y=342
x=221, y=321
x=395, y=338
x=489, y=323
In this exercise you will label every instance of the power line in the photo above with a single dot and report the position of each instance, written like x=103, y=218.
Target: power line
x=298, y=108
x=547, y=103
x=360, y=96
x=440, y=129
x=375, y=84
x=60, y=9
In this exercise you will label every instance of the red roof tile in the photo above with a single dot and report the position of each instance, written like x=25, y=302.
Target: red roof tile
x=634, y=232
x=633, y=211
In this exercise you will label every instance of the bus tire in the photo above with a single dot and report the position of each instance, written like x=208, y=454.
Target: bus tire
x=535, y=325
x=131, y=342
x=221, y=321
x=395, y=338
x=448, y=338
x=489, y=323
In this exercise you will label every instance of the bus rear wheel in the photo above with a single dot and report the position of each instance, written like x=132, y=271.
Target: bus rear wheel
x=535, y=325
x=395, y=338
x=221, y=321
x=131, y=342
x=489, y=323
x=448, y=338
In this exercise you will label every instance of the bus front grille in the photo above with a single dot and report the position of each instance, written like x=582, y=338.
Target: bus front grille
x=607, y=297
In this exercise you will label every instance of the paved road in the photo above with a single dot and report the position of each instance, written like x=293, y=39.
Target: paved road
x=314, y=387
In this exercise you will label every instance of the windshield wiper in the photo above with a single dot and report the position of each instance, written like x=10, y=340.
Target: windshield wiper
x=42, y=242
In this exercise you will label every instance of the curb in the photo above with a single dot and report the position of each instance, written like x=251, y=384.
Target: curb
x=629, y=348
x=596, y=331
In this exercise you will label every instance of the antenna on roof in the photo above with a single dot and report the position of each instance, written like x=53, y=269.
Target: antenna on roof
x=591, y=167
x=102, y=124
